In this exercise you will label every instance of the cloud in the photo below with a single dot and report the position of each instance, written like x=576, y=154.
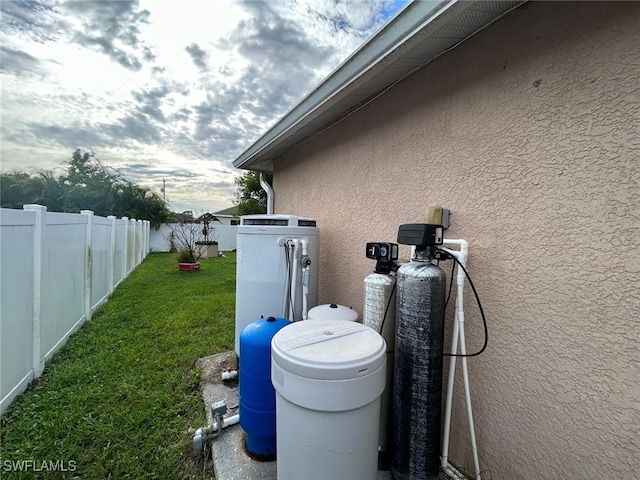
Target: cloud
x=113, y=77
x=70, y=137
x=181, y=115
x=112, y=27
x=35, y=20
x=219, y=124
x=140, y=170
x=274, y=63
x=125, y=59
x=267, y=38
x=151, y=101
x=353, y=17
x=17, y=61
x=134, y=126
x=198, y=56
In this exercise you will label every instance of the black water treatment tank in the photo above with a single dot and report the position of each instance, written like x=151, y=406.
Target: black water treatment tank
x=417, y=388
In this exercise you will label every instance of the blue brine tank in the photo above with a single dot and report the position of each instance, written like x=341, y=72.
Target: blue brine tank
x=257, y=395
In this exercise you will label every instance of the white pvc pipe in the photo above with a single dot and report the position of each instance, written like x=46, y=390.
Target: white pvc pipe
x=287, y=252
x=467, y=395
x=304, y=243
x=453, y=472
x=464, y=245
x=458, y=337
x=294, y=277
x=267, y=188
x=229, y=375
x=203, y=434
x=227, y=421
x=452, y=362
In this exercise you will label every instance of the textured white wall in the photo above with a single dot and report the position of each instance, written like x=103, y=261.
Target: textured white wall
x=530, y=134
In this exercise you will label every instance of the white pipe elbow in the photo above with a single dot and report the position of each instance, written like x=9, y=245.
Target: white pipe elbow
x=304, y=243
x=267, y=188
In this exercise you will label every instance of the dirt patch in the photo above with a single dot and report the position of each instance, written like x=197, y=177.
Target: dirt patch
x=213, y=366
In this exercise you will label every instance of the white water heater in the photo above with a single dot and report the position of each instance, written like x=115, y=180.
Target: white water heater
x=267, y=265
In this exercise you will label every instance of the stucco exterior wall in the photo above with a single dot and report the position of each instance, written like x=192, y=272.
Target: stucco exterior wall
x=530, y=134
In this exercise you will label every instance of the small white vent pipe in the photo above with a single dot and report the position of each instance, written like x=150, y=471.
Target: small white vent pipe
x=267, y=188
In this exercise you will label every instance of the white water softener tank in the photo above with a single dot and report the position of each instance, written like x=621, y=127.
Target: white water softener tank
x=265, y=268
x=328, y=376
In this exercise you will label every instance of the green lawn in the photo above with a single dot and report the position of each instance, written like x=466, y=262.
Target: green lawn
x=119, y=399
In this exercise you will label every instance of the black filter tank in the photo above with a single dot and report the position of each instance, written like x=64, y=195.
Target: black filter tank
x=417, y=387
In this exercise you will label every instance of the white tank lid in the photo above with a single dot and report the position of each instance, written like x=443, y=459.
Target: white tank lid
x=328, y=349
x=332, y=311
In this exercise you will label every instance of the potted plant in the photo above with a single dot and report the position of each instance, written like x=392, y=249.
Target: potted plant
x=207, y=248
x=184, y=234
x=188, y=260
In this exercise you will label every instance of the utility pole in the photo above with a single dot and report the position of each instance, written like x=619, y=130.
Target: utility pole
x=164, y=195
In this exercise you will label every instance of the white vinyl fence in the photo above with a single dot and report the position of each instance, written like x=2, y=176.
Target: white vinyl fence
x=225, y=235
x=55, y=270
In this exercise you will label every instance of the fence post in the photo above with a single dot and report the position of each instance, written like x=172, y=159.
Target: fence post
x=132, y=246
x=134, y=239
x=88, y=264
x=136, y=252
x=39, y=210
x=112, y=253
x=125, y=246
x=147, y=232
x=139, y=242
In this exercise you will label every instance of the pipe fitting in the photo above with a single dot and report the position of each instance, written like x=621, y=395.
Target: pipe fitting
x=204, y=434
x=267, y=188
x=229, y=375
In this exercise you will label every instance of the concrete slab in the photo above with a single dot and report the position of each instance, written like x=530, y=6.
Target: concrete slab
x=230, y=459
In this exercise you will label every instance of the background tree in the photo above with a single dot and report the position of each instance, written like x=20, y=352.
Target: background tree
x=16, y=189
x=92, y=186
x=20, y=188
x=86, y=184
x=250, y=196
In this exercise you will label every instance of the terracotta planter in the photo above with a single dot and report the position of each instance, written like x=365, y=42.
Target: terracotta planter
x=189, y=266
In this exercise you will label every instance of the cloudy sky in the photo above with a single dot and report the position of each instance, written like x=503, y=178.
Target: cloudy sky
x=173, y=89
